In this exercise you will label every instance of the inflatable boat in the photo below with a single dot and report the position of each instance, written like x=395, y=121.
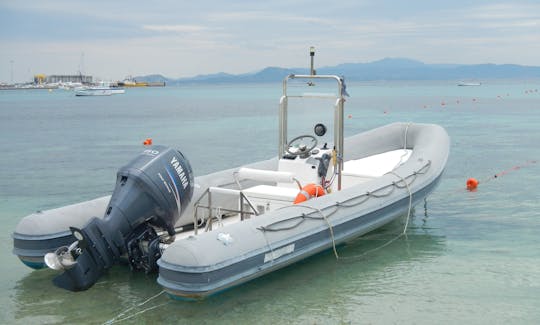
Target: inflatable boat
x=209, y=233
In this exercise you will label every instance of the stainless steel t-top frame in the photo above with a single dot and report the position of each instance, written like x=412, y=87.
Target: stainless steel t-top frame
x=338, y=116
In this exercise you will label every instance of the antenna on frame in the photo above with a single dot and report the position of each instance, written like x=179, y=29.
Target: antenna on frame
x=312, y=71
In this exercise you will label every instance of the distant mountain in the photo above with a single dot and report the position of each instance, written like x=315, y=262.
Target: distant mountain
x=385, y=69
x=217, y=77
x=152, y=78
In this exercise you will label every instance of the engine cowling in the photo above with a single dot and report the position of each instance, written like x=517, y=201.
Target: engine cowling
x=151, y=191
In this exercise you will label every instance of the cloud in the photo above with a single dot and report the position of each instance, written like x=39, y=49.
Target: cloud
x=206, y=36
x=175, y=28
x=504, y=16
x=504, y=12
x=243, y=16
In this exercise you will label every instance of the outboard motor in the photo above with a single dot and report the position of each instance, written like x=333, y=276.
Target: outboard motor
x=151, y=192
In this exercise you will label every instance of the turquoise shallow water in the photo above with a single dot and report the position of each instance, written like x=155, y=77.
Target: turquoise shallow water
x=468, y=257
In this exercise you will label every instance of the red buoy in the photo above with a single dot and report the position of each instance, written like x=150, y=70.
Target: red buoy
x=148, y=142
x=472, y=184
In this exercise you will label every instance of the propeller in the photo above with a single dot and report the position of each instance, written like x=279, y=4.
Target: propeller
x=62, y=258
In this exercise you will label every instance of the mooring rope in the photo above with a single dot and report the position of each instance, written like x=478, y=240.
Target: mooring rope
x=120, y=317
x=403, y=233
x=404, y=147
x=331, y=233
x=348, y=203
x=400, y=184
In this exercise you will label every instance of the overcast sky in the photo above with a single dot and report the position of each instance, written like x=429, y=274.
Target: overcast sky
x=177, y=38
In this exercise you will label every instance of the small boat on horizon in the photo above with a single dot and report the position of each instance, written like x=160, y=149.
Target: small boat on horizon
x=469, y=83
x=129, y=81
x=103, y=88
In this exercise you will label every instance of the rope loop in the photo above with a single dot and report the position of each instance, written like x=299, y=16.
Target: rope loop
x=400, y=184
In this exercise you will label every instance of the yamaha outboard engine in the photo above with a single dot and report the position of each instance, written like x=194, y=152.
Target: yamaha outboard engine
x=150, y=193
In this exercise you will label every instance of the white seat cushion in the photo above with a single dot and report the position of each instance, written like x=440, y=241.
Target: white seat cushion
x=272, y=192
x=376, y=165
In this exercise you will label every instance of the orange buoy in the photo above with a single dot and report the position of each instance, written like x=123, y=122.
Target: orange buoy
x=472, y=184
x=148, y=142
x=309, y=191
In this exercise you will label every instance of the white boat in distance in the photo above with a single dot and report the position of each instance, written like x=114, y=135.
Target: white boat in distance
x=104, y=88
x=469, y=83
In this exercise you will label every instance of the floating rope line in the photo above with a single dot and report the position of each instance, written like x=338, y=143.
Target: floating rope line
x=475, y=182
x=504, y=172
x=120, y=317
x=462, y=101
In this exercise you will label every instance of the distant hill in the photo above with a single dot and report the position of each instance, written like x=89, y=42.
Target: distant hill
x=152, y=78
x=385, y=69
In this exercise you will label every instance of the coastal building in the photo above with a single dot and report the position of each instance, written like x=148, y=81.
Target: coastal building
x=68, y=78
x=39, y=79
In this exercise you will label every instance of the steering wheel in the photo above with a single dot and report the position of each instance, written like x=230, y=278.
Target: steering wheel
x=300, y=141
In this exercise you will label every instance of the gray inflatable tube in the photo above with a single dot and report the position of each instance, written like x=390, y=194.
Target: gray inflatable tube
x=201, y=265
